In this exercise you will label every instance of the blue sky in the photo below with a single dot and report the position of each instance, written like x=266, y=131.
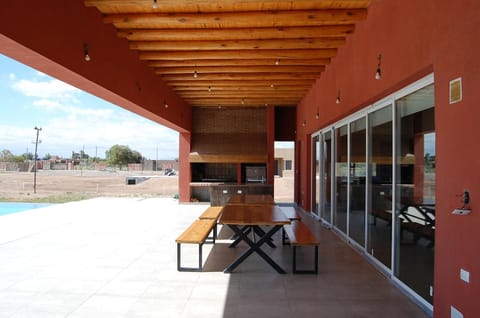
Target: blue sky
x=71, y=120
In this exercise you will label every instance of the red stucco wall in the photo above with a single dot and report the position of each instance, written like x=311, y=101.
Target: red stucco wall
x=415, y=39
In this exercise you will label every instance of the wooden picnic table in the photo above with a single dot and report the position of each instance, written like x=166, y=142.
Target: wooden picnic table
x=251, y=199
x=239, y=216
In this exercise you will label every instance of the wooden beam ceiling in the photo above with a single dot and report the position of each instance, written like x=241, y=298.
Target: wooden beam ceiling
x=235, y=52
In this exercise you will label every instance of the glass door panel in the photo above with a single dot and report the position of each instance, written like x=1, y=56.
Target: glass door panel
x=415, y=191
x=315, y=174
x=380, y=165
x=358, y=173
x=341, y=178
x=326, y=176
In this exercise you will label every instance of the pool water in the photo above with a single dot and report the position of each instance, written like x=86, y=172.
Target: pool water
x=14, y=207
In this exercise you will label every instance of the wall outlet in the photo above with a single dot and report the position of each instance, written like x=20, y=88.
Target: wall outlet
x=454, y=313
x=465, y=275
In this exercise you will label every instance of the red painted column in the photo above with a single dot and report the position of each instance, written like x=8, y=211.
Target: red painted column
x=185, y=172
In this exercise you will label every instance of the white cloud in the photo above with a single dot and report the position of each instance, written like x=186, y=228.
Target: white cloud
x=71, y=127
x=47, y=104
x=45, y=89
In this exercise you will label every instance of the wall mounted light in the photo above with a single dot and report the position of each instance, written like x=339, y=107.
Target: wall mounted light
x=195, y=74
x=317, y=115
x=277, y=62
x=155, y=4
x=243, y=101
x=209, y=88
x=378, y=73
x=338, y=100
x=165, y=104
x=304, y=123
x=86, y=54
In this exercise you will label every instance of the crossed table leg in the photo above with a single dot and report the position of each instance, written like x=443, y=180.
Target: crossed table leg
x=254, y=247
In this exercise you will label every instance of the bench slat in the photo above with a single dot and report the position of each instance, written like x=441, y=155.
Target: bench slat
x=212, y=212
x=291, y=214
x=299, y=234
x=197, y=232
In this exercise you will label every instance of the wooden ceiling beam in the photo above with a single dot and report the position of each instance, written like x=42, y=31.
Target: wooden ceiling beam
x=241, y=83
x=277, y=44
x=245, y=54
x=221, y=20
x=231, y=88
x=236, y=33
x=239, y=62
x=189, y=6
x=236, y=102
x=241, y=94
x=239, y=69
x=243, y=77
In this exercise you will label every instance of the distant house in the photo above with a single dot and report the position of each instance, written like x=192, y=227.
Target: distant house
x=284, y=162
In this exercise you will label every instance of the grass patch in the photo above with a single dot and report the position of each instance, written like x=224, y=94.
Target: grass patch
x=61, y=198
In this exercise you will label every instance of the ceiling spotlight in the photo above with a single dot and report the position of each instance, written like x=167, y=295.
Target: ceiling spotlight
x=378, y=73
x=86, y=56
x=155, y=4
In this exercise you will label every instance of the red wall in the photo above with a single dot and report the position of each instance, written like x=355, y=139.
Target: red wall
x=50, y=36
x=416, y=38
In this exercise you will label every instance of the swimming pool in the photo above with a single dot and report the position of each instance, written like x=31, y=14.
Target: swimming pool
x=14, y=207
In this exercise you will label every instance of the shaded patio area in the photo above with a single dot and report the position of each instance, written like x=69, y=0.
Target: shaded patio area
x=117, y=258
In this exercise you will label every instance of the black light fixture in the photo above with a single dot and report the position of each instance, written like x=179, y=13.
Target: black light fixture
x=378, y=73
x=86, y=54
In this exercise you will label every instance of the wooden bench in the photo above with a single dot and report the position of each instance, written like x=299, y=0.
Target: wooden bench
x=196, y=233
x=300, y=235
x=212, y=213
x=292, y=215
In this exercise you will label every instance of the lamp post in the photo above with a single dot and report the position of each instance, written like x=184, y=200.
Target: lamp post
x=35, y=162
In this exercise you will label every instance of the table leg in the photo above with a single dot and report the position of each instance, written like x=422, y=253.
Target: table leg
x=255, y=247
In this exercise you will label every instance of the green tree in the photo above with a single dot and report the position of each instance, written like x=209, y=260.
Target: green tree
x=6, y=155
x=119, y=155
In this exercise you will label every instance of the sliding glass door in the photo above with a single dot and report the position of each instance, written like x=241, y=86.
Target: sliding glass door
x=380, y=167
x=341, y=178
x=326, y=176
x=315, y=174
x=358, y=174
x=374, y=181
x=415, y=191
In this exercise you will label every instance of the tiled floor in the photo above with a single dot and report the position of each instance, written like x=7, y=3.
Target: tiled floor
x=117, y=258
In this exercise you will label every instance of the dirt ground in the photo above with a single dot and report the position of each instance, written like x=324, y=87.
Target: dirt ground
x=88, y=184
